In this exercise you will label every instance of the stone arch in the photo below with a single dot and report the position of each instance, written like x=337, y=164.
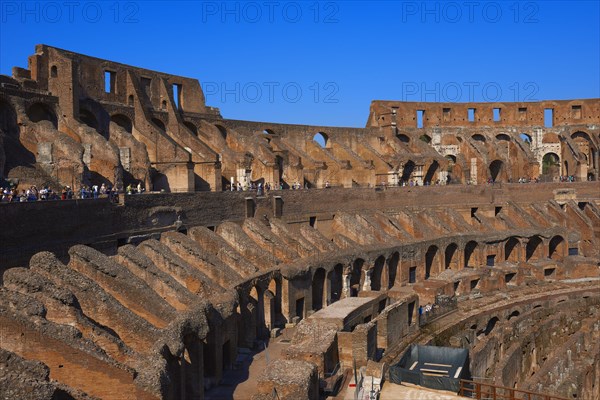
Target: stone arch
x=583, y=135
x=513, y=314
x=471, y=258
x=489, y=327
x=123, y=121
x=451, y=256
x=54, y=71
x=42, y=112
x=222, y=131
x=272, y=303
x=451, y=158
x=261, y=331
x=583, y=140
x=280, y=164
x=335, y=284
x=268, y=131
x=503, y=137
x=377, y=274
x=551, y=165
x=478, y=138
x=192, y=127
x=393, y=268
x=14, y=154
x=496, y=169
x=430, y=172
x=356, y=278
x=407, y=170
x=533, y=250
x=432, y=261
x=425, y=138
x=557, y=247
x=322, y=139
x=403, y=138
x=525, y=137
x=159, y=123
x=89, y=118
x=318, y=284
x=512, y=250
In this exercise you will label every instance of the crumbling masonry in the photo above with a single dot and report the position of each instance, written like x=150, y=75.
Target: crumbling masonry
x=155, y=296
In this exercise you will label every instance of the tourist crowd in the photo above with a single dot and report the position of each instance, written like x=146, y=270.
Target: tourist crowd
x=11, y=195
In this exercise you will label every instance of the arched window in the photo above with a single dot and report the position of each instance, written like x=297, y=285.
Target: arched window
x=321, y=138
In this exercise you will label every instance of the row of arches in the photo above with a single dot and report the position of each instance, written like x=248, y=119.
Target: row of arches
x=261, y=302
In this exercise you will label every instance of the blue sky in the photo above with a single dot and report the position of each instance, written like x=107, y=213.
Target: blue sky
x=322, y=63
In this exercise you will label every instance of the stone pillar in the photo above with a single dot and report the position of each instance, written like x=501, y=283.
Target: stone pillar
x=367, y=283
x=345, y=285
x=473, y=177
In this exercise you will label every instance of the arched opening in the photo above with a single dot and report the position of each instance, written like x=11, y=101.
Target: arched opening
x=88, y=118
x=256, y=316
x=15, y=154
x=222, y=130
x=272, y=304
x=335, y=283
x=123, y=121
x=393, y=269
x=193, y=364
x=403, y=138
x=407, y=171
x=430, y=172
x=54, y=71
x=191, y=126
x=356, y=276
x=512, y=249
x=489, y=327
x=451, y=256
x=513, y=314
x=163, y=105
x=377, y=273
x=525, y=138
x=496, y=169
x=425, y=138
x=322, y=139
x=503, y=137
x=586, y=147
x=533, y=250
x=41, y=112
x=318, y=283
x=130, y=100
x=551, y=165
x=431, y=261
x=159, y=124
x=471, y=260
x=478, y=138
x=279, y=162
x=268, y=132
x=556, y=248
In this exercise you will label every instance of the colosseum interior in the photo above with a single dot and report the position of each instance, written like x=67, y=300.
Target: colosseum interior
x=412, y=230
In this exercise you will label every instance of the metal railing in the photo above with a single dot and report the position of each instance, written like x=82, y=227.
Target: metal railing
x=488, y=391
x=443, y=305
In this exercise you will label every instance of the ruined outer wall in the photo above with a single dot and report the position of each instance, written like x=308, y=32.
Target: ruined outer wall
x=522, y=114
x=90, y=72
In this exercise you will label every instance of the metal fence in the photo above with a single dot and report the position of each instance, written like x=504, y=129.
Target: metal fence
x=443, y=305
